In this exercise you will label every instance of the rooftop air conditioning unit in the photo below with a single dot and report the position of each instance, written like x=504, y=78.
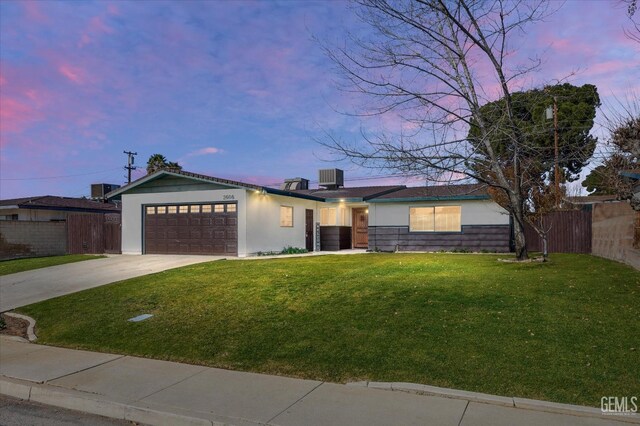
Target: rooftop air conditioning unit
x=99, y=190
x=295, y=184
x=331, y=178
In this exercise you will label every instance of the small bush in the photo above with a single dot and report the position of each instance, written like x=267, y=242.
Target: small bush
x=293, y=250
x=3, y=324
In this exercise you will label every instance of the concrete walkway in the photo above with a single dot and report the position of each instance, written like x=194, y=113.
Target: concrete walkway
x=37, y=285
x=167, y=393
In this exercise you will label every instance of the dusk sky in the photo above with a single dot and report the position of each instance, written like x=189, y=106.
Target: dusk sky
x=236, y=90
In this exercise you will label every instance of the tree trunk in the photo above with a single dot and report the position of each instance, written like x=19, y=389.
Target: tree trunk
x=520, y=241
x=518, y=227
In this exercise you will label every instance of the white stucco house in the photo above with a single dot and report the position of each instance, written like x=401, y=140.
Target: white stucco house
x=178, y=212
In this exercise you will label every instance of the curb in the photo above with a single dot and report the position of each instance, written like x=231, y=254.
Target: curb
x=87, y=403
x=521, y=403
x=31, y=335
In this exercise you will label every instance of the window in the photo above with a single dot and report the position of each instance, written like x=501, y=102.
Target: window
x=195, y=209
x=206, y=208
x=286, y=216
x=151, y=210
x=218, y=208
x=231, y=208
x=162, y=210
x=184, y=209
x=172, y=209
x=327, y=216
x=448, y=219
x=9, y=217
x=344, y=216
x=421, y=219
x=435, y=219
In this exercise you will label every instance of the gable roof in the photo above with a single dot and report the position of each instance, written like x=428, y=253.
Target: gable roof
x=51, y=202
x=436, y=193
x=208, y=179
x=362, y=193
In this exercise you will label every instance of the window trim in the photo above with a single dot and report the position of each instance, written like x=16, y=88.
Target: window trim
x=291, y=209
x=434, y=220
x=334, y=215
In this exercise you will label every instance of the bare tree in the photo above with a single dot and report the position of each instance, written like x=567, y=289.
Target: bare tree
x=633, y=32
x=435, y=63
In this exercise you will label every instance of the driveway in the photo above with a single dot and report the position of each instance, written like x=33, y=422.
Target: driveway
x=37, y=285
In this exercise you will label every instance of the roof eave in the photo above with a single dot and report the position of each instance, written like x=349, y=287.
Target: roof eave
x=159, y=173
x=291, y=194
x=414, y=199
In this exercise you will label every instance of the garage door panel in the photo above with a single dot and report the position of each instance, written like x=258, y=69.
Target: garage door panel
x=193, y=230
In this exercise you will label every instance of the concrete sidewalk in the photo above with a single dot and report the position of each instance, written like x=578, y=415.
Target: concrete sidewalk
x=168, y=393
x=37, y=285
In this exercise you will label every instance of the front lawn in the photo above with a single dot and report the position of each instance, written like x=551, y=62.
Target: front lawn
x=19, y=265
x=566, y=331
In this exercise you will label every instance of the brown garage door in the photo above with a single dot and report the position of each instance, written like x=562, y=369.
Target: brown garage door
x=191, y=229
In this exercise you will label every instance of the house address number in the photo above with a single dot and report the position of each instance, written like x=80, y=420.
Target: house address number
x=228, y=197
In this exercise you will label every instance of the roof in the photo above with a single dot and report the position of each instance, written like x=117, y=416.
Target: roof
x=436, y=193
x=392, y=193
x=361, y=193
x=205, y=178
x=51, y=202
x=591, y=199
x=633, y=174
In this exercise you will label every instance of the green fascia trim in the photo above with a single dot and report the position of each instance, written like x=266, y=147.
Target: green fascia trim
x=291, y=194
x=344, y=200
x=413, y=199
x=630, y=175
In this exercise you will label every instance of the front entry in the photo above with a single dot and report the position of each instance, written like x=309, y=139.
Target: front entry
x=360, y=228
x=308, y=230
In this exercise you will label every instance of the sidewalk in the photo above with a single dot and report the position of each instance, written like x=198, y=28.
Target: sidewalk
x=168, y=393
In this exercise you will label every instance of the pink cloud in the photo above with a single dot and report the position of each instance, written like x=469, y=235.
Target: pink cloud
x=74, y=74
x=205, y=151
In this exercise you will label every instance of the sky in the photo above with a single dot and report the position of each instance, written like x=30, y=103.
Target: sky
x=233, y=89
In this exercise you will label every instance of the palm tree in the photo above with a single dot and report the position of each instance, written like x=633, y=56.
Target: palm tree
x=159, y=161
x=156, y=162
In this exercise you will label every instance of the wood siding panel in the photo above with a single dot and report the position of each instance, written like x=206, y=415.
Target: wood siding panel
x=493, y=238
x=333, y=238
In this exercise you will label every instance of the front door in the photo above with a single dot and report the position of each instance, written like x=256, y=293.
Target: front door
x=360, y=228
x=308, y=230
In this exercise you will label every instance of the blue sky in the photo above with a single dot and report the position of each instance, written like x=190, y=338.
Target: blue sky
x=231, y=89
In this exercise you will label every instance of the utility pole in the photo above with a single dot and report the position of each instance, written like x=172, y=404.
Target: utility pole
x=129, y=167
x=555, y=147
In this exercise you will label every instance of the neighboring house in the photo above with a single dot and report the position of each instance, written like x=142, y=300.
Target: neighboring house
x=50, y=226
x=51, y=208
x=177, y=212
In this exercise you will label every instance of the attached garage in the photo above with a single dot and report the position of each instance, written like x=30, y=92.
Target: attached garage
x=210, y=228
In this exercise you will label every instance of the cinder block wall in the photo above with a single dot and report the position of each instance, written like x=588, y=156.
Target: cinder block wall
x=32, y=239
x=613, y=232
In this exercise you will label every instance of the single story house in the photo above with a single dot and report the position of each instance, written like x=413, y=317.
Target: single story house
x=178, y=212
x=51, y=208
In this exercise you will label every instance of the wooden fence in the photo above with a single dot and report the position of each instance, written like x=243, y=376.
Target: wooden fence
x=93, y=233
x=569, y=232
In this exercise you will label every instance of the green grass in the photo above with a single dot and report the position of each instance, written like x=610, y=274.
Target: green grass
x=566, y=331
x=19, y=265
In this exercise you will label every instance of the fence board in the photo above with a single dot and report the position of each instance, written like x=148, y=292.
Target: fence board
x=569, y=232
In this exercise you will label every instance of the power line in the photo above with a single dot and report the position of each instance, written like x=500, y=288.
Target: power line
x=63, y=176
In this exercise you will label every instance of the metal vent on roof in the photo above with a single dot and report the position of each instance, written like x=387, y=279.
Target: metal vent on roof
x=99, y=190
x=331, y=178
x=294, y=184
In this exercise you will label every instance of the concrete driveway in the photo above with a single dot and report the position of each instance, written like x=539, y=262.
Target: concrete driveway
x=33, y=286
